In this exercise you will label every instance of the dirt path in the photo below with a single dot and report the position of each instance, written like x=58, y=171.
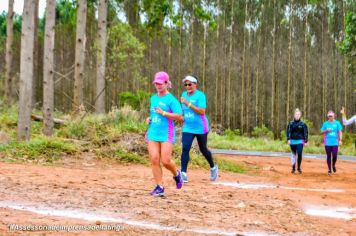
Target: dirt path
x=101, y=193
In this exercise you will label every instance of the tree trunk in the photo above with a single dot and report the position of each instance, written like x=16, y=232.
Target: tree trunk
x=273, y=85
x=26, y=70
x=48, y=69
x=79, y=55
x=8, y=57
x=101, y=57
x=204, y=56
x=243, y=74
x=229, y=90
x=305, y=80
x=345, y=75
x=35, y=58
x=217, y=68
x=289, y=79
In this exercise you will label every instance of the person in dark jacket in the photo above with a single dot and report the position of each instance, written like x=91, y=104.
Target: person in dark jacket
x=297, y=136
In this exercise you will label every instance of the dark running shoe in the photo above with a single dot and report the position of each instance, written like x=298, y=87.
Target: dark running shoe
x=334, y=169
x=179, y=180
x=300, y=171
x=158, y=191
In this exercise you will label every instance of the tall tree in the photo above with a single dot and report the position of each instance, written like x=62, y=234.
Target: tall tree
x=289, y=79
x=26, y=70
x=48, y=68
x=274, y=62
x=101, y=57
x=78, y=99
x=8, y=56
x=305, y=71
x=35, y=56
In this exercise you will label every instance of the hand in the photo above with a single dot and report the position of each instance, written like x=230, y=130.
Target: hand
x=340, y=143
x=184, y=101
x=288, y=142
x=306, y=144
x=148, y=120
x=158, y=110
x=342, y=111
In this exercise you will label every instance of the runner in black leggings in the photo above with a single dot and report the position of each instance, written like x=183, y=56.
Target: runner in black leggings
x=195, y=124
x=297, y=136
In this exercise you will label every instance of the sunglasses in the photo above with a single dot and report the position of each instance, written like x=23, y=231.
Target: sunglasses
x=188, y=85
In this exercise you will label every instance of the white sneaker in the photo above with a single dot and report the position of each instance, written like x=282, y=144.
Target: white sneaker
x=184, y=177
x=214, y=172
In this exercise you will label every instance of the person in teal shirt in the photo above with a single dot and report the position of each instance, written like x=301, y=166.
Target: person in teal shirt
x=164, y=110
x=332, y=131
x=195, y=124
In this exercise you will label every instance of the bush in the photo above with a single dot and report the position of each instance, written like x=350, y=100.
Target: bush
x=137, y=101
x=262, y=132
x=230, y=134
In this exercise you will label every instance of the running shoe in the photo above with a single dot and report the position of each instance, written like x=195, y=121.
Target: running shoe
x=300, y=171
x=334, y=169
x=214, y=173
x=179, y=180
x=329, y=172
x=158, y=191
x=293, y=171
x=184, y=177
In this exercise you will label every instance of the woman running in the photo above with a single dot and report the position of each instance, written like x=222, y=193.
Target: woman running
x=332, y=131
x=297, y=136
x=195, y=124
x=345, y=121
x=164, y=110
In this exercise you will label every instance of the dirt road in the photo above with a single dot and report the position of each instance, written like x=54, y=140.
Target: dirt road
x=268, y=200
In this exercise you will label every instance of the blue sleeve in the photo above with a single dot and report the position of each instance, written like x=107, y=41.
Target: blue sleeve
x=175, y=106
x=323, y=127
x=202, y=101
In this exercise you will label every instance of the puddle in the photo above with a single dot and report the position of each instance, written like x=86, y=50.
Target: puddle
x=335, y=212
x=94, y=216
x=270, y=186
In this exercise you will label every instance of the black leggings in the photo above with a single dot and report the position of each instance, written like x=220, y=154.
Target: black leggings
x=331, y=150
x=187, y=141
x=297, y=150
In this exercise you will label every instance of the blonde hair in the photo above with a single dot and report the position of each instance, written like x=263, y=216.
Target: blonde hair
x=297, y=110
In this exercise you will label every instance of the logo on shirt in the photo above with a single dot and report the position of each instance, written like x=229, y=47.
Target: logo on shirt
x=162, y=104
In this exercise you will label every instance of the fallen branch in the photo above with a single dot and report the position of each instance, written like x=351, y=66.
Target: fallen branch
x=55, y=120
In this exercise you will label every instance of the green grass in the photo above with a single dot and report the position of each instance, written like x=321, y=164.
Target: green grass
x=103, y=135
x=237, y=142
x=43, y=148
x=198, y=161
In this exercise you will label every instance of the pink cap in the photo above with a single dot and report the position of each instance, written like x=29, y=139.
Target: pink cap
x=330, y=113
x=161, y=78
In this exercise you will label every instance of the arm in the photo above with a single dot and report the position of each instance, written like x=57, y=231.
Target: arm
x=200, y=111
x=169, y=115
x=340, y=138
x=345, y=121
x=323, y=130
x=306, y=133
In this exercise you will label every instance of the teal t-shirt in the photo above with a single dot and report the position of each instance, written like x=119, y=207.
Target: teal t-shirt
x=193, y=122
x=161, y=128
x=331, y=138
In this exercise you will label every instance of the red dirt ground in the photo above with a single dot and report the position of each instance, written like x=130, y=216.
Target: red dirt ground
x=114, y=190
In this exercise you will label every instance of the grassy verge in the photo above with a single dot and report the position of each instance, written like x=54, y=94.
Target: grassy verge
x=119, y=136
x=238, y=142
